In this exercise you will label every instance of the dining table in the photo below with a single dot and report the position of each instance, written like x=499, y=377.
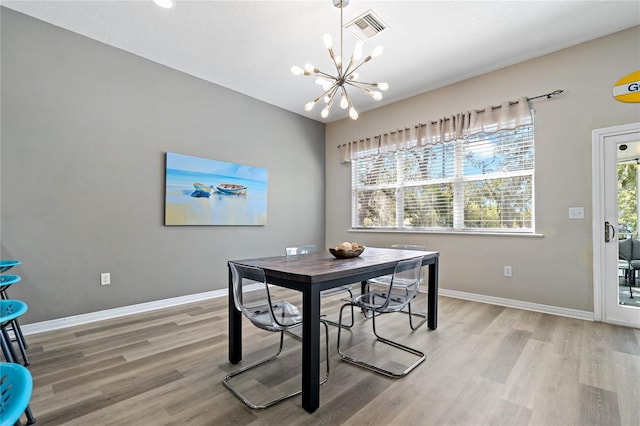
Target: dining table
x=314, y=272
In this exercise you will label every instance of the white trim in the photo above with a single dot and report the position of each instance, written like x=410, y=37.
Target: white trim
x=597, y=201
x=51, y=325
x=598, y=137
x=447, y=232
x=518, y=304
x=55, y=324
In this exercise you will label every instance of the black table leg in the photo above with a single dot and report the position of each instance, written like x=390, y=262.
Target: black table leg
x=311, y=349
x=235, y=327
x=432, y=312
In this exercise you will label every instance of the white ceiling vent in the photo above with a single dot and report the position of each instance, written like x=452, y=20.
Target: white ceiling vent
x=366, y=25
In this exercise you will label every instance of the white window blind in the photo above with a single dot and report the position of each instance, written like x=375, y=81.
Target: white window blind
x=484, y=182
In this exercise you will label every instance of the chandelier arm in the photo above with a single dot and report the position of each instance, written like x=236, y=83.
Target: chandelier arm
x=333, y=59
x=335, y=85
x=351, y=83
x=323, y=74
x=346, y=94
x=356, y=82
x=348, y=71
x=367, y=59
x=333, y=92
x=374, y=94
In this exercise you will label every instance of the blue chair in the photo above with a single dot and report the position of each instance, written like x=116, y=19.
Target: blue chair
x=16, y=385
x=10, y=310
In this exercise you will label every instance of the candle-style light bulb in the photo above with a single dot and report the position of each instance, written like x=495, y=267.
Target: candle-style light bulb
x=377, y=51
x=357, y=51
x=344, y=103
x=328, y=42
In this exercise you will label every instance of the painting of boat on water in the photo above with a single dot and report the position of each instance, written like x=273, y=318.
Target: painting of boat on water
x=201, y=191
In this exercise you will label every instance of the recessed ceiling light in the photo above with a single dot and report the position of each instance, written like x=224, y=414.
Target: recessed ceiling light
x=167, y=4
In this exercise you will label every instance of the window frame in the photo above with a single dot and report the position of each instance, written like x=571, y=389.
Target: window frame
x=457, y=181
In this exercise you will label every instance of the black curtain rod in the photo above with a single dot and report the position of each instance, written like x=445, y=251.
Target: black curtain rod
x=546, y=95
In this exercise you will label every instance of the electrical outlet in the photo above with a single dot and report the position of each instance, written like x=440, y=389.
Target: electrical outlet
x=508, y=272
x=105, y=278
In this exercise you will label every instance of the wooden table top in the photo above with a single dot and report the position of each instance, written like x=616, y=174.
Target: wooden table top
x=323, y=266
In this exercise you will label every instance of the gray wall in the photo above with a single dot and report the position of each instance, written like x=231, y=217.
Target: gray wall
x=85, y=128
x=553, y=270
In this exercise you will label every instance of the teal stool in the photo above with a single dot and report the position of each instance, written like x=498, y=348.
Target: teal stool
x=5, y=265
x=16, y=385
x=5, y=282
x=10, y=310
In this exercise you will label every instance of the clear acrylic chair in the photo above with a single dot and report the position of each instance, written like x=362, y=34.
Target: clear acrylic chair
x=386, y=279
x=310, y=248
x=392, y=299
x=16, y=385
x=251, y=296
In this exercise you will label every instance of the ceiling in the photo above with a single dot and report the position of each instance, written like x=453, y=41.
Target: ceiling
x=250, y=46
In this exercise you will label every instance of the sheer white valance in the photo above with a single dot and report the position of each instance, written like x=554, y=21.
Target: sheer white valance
x=491, y=119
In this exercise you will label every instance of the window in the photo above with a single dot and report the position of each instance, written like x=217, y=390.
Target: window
x=481, y=183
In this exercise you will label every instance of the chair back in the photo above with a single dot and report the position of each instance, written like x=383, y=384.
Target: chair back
x=251, y=296
x=625, y=249
x=304, y=249
x=16, y=386
x=409, y=273
x=403, y=287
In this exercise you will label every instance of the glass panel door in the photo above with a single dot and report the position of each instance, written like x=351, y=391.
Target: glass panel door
x=621, y=253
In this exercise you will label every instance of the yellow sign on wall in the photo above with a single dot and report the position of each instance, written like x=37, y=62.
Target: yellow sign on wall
x=627, y=89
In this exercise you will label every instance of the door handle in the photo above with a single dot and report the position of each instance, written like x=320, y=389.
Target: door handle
x=608, y=237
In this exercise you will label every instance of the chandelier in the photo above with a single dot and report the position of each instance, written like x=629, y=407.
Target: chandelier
x=346, y=76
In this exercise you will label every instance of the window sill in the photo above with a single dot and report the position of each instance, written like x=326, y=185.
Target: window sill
x=474, y=233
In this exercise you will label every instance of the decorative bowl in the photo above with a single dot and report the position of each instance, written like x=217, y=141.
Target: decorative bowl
x=345, y=254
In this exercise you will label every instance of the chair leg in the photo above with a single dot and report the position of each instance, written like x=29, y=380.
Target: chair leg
x=422, y=321
x=335, y=324
x=21, y=345
x=18, y=332
x=7, y=348
x=421, y=356
x=30, y=419
x=250, y=404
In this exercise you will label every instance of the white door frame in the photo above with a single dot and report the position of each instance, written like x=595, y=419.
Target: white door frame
x=599, y=139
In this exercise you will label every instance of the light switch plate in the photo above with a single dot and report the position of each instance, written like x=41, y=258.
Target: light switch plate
x=576, y=212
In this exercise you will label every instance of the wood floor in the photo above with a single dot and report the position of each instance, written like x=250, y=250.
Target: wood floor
x=486, y=365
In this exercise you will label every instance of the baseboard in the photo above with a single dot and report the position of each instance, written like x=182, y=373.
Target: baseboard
x=518, y=304
x=43, y=326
